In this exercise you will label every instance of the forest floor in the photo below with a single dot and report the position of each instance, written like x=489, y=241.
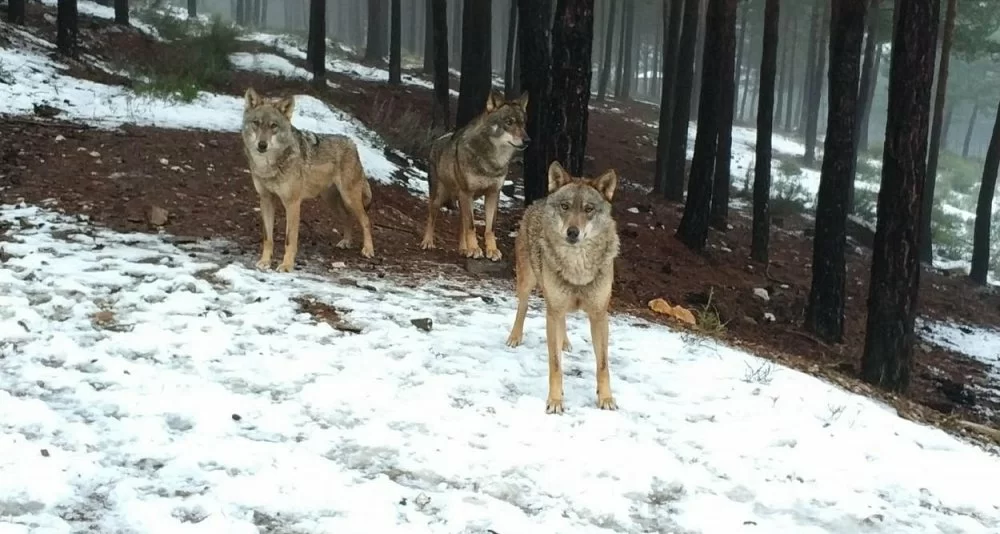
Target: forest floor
x=207, y=192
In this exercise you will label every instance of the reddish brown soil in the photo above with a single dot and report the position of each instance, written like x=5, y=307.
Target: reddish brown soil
x=207, y=191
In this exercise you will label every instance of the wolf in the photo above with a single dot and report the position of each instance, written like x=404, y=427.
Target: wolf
x=566, y=245
x=472, y=162
x=293, y=165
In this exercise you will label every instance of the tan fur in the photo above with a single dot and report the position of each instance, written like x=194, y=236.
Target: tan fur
x=571, y=276
x=297, y=165
x=473, y=163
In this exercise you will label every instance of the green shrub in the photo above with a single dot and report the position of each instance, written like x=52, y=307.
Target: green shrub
x=788, y=197
x=950, y=234
x=866, y=204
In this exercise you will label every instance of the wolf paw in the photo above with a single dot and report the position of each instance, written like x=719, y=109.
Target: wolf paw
x=514, y=339
x=344, y=243
x=427, y=244
x=554, y=406
x=493, y=254
x=263, y=264
x=566, y=346
x=367, y=251
x=475, y=253
x=286, y=267
x=607, y=403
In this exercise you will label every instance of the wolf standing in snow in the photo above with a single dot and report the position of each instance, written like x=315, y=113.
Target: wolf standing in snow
x=471, y=163
x=293, y=165
x=566, y=245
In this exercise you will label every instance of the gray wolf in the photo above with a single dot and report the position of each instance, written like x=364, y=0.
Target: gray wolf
x=566, y=245
x=293, y=165
x=471, y=163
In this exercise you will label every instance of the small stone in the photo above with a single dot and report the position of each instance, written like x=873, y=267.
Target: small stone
x=633, y=210
x=45, y=453
x=164, y=161
x=761, y=293
x=95, y=154
x=485, y=266
x=60, y=138
x=769, y=317
x=423, y=323
x=157, y=216
x=237, y=417
x=422, y=500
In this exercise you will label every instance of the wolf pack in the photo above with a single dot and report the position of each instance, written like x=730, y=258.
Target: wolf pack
x=566, y=242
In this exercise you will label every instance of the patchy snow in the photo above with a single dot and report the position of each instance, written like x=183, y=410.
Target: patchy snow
x=268, y=64
x=978, y=343
x=150, y=388
x=93, y=9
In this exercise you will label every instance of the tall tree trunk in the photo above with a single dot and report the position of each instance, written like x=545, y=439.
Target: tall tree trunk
x=895, y=282
x=934, y=149
x=510, y=81
x=572, y=38
x=740, y=48
x=949, y=116
x=653, y=70
x=66, y=27
x=374, y=50
x=628, y=61
x=411, y=39
x=699, y=60
x=263, y=13
x=790, y=94
x=438, y=27
x=780, y=100
x=456, y=33
x=863, y=143
x=682, y=103
x=868, y=76
x=476, y=80
x=15, y=12
x=609, y=45
x=816, y=92
x=317, y=39
x=811, y=54
x=670, y=52
x=746, y=78
x=192, y=6
x=726, y=105
x=121, y=11
x=720, y=48
x=534, y=25
x=825, y=309
x=972, y=129
x=395, y=44
x=429, y=36
x=984, y=209
x=761, y=232
x=622, y=45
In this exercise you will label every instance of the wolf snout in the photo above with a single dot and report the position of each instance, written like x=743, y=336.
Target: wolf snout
x=572, y=234
x=262, y=146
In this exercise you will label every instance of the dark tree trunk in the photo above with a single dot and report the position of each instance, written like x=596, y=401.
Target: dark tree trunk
x=790, y=94
x=761, y=233
x=949, y=116
x=395, y=44
x=624, y=91
x=895, y=280
x=682, y=103
x=699, y=61
x=740, y=48
x=825, y=309
x=657, y=53
x=622, y=45
x=934, y=149
x=263, y=13
x=121, y=12
x=984, y=209
x=534, y=26
x=813, y=51
x=438, y=26
x=816, y=92
x=726, y=105
x=972, y=129
x=863, y=143
x=720, y=41
x=477, y=74
x=192, y=9
x=317, y=39
x=411, y=39
x=609, y=45
x=510, y=82
x=456, y=33
x=254, y=10
x=66, y=27
x=868, y=77
x=375, y=46
x=746, y=79
x=15, y=12
x=572, y=38
x=429, y=36
x=783, y=76
x=662, y=178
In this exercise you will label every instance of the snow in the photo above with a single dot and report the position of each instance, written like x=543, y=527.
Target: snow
x=154, y=387
x=268, y=64
x=93, y=9
x=978, y=343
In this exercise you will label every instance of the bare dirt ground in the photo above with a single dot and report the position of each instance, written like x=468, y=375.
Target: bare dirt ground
x=205, y=188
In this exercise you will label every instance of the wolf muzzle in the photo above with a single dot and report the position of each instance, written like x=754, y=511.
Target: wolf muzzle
x=572, y=235
x=262, y=146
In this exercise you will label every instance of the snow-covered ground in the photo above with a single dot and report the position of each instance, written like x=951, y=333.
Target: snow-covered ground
x=981, y=344
x=160, y=388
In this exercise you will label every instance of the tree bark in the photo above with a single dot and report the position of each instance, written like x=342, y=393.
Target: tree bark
x=746, y=79
x=15, y=12
x=895, y=281
x=949, y=117
x=477, y=74
x=984, y=209
x=816, y=92
x=66, y=27
x=863, y=143
x=662, y=178
x=699, y=63
x=510, y=81
x=726, y=105
x=790, y=94
x=411, y=38
x=783, y=76
x=761, y=231
x=827, y=297
x=682, y=103
x=317, y=39
x=934, y=149
x=572, y=38
x=813, y=51
x=868, y=76
x=192, y=6
x=972, y=129
x=438, y=26
x=374, y=48
x=121, y=12
x=609, y=45
x=395, y=44
x=622, y=45
x=720, y=41
x=429, y=36
x=624, y=91
x=456, y=33
x=534, y=25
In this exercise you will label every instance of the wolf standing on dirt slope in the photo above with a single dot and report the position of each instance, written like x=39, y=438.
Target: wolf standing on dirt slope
x=471, y=163
x=566, y=245
x=294, y=165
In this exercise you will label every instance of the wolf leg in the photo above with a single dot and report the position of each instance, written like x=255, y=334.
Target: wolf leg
x=491, y=201
x=555, y=327
x=599, y=335
x=435, y=199
x=333, y=199
x=525, y=283
x=355, y=203
x=292, y=212
x=468, y=242
x=267, y=217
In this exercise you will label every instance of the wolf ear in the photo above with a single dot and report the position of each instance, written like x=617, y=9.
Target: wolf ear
x=523, y=101
x=252, y=98
x=558, y=176
x=286, y=106
x=606, y=184
x=493, y=101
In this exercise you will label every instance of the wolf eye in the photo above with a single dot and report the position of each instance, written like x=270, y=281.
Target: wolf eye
x=564, y=206
x=256, y=122
x=274, y=125
x=589, y=208
x=510, y=121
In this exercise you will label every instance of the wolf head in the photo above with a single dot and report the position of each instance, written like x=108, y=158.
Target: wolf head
x=579, y=208
x=505, y=120
x=267, y=123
